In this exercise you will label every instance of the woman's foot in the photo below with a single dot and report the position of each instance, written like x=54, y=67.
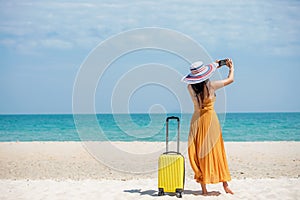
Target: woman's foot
x=206, y=193
x=226, y=188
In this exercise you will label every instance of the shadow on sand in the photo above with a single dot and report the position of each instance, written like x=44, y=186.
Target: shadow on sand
x=199, y=192
x=153, y=193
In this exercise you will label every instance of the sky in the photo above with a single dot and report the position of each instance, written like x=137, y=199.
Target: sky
x=43, y=45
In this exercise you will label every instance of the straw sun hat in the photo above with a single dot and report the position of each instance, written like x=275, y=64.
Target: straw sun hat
x=199, y=72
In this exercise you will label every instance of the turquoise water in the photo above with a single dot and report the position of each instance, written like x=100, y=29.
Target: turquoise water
x=142, y=127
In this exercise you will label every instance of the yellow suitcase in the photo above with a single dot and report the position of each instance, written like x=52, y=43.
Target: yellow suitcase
x=171, y=169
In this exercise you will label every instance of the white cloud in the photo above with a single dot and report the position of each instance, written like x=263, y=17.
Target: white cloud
x=7, y=42
x=55, y=43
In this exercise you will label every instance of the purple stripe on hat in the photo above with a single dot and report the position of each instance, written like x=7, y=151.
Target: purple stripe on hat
x=200, y=76
x=196, y=68
x=197, y=71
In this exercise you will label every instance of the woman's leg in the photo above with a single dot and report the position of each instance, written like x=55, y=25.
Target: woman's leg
x=226, y=188
x=204, y=190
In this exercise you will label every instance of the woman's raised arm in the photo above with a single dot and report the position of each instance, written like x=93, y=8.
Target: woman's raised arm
x=221, y=83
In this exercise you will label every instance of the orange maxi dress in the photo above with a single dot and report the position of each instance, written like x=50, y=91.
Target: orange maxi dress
x=206, y=146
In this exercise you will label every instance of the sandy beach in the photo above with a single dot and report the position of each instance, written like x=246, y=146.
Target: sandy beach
x=65, y=170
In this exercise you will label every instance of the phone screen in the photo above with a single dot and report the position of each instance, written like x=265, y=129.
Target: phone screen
x=222, y=62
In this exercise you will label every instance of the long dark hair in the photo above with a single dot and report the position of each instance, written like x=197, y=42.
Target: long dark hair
x=199, y=89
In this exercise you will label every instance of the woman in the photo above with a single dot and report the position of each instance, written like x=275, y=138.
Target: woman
x=206, y=147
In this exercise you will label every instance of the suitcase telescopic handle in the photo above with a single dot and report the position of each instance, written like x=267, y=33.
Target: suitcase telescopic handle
x=167, y=133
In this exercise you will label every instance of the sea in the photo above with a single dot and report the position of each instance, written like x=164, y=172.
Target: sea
x=236, y=127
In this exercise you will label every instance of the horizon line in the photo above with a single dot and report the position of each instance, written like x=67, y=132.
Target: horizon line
x=107, y=113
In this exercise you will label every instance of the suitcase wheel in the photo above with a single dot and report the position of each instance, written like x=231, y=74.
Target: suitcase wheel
x=161, y=192
x=179, y=193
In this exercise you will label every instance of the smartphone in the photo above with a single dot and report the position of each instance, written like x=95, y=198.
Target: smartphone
x=222, y=62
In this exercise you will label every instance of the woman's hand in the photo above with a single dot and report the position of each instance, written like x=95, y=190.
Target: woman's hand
x=229, y=64
x=217, y=61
